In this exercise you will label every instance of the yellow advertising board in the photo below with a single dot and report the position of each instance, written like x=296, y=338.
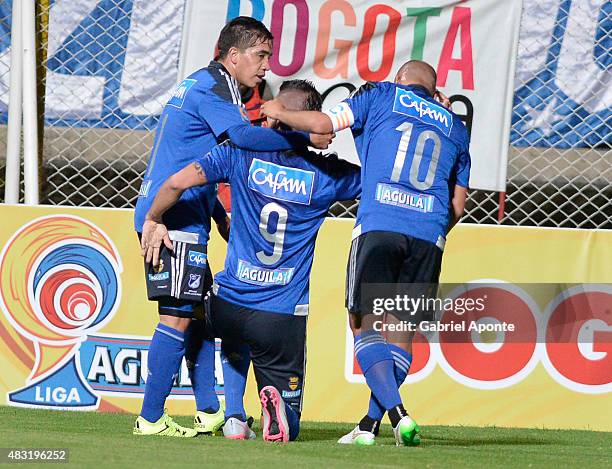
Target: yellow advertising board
x=75, y=324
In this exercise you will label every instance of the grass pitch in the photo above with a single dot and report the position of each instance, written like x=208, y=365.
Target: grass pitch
x=105, y=440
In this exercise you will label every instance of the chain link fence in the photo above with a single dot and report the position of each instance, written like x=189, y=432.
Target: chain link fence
x=99, y=112
x=560, y=159
x=98, y=131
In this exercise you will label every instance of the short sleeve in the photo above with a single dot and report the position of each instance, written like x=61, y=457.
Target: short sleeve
x=348, y=186
x=217, y=163
x=464, y=161
x=346, y=176
x=462, y=169
x=353, y=112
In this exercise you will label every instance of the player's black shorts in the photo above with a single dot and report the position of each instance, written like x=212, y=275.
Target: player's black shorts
x=181, y=280
x=384, y=257
x=277, y=343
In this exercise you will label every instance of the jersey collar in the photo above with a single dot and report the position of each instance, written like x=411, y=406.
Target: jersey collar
x=418, y=89
x=219, y=66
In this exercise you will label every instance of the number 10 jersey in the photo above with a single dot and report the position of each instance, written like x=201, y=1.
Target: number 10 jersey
x=412, y=151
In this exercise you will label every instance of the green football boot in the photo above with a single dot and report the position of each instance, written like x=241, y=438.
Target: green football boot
x=209, y=423
x=165, y=426
x=407, y=432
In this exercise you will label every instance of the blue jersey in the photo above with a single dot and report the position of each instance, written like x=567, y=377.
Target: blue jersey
x=203, y=107
x=280, y=200
x=412, y=151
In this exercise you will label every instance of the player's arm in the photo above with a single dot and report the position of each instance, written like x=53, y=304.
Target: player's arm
x=308, y=121
x=457, y=205
x=226, y=121
x=221, y=219
x=254, y=138
x=346, y=176
x=154, y=232
x=460, y=177
x=351, y=112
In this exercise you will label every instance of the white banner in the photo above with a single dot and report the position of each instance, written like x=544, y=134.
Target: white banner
x=339, y=44
x=563, y=95
x=111, y=64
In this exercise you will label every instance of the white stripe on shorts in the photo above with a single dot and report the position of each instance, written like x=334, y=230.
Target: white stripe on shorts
x=352, y=272
x=172, y=268
x=181, y=267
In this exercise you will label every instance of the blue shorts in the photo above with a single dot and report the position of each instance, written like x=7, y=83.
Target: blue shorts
x=384, y=257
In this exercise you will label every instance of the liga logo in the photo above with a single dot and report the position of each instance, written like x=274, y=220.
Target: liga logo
x=59, y=281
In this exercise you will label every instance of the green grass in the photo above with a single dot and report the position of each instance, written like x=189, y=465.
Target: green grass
x=105, y=440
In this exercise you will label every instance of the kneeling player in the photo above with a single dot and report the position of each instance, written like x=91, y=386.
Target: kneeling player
x=260, y=300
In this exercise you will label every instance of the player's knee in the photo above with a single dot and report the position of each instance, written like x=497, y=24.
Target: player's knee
x=179, y=324
x=402, y=340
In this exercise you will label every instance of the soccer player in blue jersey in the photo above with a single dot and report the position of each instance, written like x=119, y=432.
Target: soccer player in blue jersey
x=260, y=300
x=204, y=110
x=415, y=170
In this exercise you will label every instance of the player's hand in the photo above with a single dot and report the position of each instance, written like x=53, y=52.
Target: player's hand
x=442, y=99
x=321, y=141
x=273, y=109
x=153, y=236
x=224, y=228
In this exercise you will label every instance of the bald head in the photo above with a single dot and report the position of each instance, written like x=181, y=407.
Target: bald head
x=417, y=72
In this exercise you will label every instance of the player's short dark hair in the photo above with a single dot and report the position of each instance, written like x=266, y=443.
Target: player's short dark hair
x=242, y=32
x=313, y=101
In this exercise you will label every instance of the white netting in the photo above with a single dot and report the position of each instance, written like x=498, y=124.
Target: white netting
x=110, y=68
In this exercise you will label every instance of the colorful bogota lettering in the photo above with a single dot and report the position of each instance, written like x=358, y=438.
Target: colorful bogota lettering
x=340, y=16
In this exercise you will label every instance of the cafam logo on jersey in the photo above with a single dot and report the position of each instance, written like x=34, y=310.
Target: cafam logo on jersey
x=409, y=104
x=280, y=182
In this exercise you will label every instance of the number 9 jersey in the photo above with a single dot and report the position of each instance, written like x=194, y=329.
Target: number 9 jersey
x=279, y=201
x=413, y=152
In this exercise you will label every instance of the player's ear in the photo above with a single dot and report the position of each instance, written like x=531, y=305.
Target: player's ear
x=233, y=54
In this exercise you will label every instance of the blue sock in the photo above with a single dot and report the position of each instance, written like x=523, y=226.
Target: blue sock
x=377, y=364
x=402, y=361
x=200, y=355
x=236, y=364
x=164, y=360
x=293, y=419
